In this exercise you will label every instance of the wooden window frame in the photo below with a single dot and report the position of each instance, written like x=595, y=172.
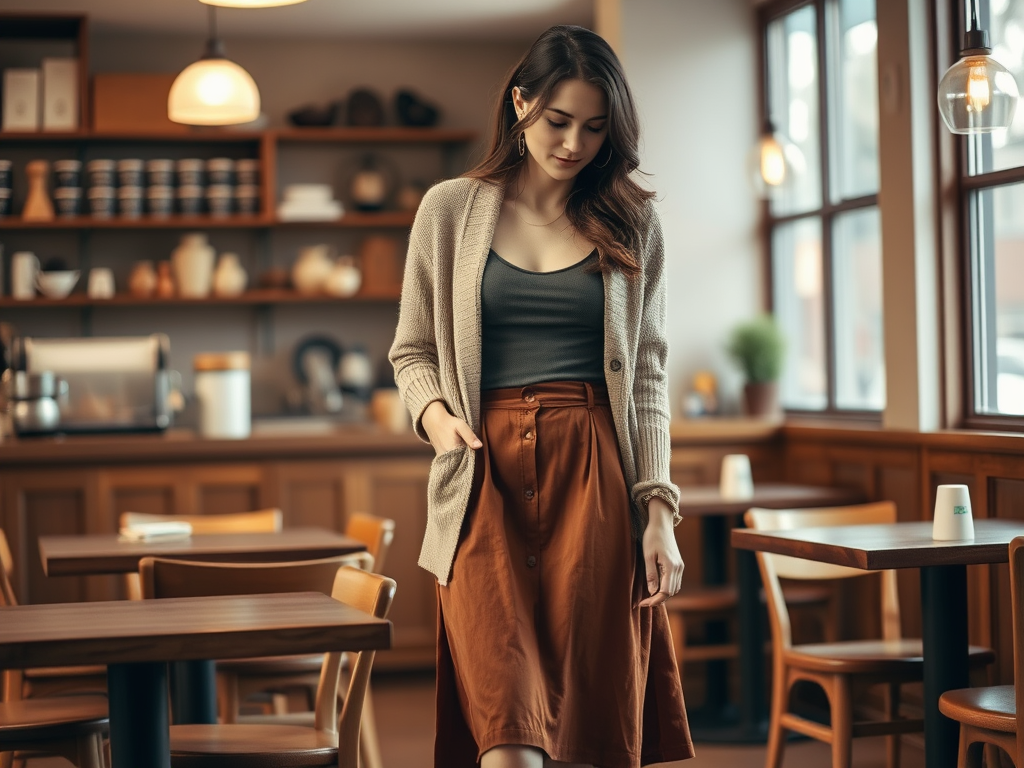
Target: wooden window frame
x=828, y=211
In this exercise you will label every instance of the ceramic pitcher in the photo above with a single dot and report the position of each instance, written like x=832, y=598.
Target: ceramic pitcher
x=193, y=265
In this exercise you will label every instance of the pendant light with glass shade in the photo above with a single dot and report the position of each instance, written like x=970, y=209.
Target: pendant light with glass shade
x=977, y=94
x=213, y=90
x=774, y=160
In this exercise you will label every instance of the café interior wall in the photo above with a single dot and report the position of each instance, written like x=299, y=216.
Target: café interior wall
x=461, y=77
x=693, y=68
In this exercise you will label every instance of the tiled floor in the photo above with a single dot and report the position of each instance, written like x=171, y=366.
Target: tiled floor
x=405, y=720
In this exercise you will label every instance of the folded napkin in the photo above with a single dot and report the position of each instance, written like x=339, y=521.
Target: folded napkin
x=161, y=531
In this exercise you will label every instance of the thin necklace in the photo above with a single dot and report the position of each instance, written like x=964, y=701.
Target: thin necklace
x=515, y=210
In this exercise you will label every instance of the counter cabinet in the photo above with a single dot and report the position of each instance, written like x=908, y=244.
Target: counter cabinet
x=67, y=500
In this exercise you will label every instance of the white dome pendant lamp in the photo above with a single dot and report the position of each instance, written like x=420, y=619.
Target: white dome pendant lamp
x=213, y=90
x=251, y=3
x=977, y=94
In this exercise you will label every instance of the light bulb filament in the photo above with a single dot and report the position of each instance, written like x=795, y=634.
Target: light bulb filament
x=979, y=90
x=773, y=163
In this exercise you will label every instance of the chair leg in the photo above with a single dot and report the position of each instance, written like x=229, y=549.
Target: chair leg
x=970, y=752
x=6, y=759
x=839, y=696
x=227, y=697
x=776, y=733
x=369, y=744
x=90, y=751
x=892, y=712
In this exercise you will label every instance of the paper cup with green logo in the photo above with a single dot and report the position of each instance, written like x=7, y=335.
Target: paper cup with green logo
x=953, y=518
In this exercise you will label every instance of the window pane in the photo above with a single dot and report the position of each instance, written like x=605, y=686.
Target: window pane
x=800, y=310
x=792, y=50
x=856, y=103
x=997, y=266
x=857, y=287
x=1004, y=19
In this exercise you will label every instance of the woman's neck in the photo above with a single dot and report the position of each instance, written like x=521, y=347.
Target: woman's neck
x=535, y=189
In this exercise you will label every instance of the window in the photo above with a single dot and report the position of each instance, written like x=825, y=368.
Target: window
x=824, y=236
x=992, y=197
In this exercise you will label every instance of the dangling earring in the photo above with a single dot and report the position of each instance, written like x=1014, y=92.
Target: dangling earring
x=605, y=163
x=522, y=144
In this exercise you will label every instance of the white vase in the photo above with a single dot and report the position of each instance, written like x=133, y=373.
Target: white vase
x=344, y=279
x=312, y=268
x=193, y=266
x=230, y=277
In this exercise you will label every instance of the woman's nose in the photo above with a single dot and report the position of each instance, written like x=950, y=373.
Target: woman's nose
x=573, y=141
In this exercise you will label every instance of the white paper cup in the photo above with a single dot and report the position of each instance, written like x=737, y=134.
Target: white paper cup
x=736, y=481
x=954, y=520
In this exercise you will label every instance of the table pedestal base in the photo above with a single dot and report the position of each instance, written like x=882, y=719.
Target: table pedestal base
x=944, y=635
x=194, y=692
x=139, y=722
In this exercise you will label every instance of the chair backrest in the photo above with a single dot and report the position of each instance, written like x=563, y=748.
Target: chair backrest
x=774, y=567
x=259, y=521
x=1017, y=598
x=10, y=679
x=375, y=532
x=367, y=592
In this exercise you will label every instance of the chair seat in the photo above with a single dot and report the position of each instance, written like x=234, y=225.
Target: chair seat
x=251, y=746
x=899, y=657
x=288, y=718
x=61, y=717
x=273, y=665
x=50, y=672
x=992, y=707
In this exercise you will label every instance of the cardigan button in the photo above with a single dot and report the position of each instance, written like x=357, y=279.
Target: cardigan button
x=615, y=365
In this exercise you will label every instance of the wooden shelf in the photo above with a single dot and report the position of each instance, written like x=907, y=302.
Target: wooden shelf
x=383, y=135
x=253, y=297
x=353, y=220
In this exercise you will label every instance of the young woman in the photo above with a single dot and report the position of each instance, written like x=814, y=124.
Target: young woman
x=530, y=350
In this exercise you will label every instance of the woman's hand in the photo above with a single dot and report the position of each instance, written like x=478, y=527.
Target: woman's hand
x=447, y=432
x=661, y=554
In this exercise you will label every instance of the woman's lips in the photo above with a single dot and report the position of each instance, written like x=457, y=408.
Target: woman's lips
x=566, y=163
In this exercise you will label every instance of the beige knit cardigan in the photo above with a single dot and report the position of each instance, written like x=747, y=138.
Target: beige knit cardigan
x=436, y=354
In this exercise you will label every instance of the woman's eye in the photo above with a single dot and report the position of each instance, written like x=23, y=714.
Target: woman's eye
x=553, y=124
x=592, y=129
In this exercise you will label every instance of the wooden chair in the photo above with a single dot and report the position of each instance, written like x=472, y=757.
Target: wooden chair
x=70, y=726
x=242, y=678
x=989, y=715
x=834, y=666
x=330, y=741
x=259, y=521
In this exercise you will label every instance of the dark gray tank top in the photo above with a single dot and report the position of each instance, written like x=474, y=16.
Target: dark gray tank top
x=541, y=326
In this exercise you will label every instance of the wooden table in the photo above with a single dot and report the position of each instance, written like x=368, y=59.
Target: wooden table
x=135, y=639
x=93, y=554
x=750, y=724
x=943, y=568
x=193, y=683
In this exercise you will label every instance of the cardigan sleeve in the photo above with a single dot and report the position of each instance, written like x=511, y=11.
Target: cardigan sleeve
x=414, y=350
x=650, y=382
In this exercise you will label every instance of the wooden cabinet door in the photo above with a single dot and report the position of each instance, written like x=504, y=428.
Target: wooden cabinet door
x=49, y=503
x=310, y=493
x=180, y=490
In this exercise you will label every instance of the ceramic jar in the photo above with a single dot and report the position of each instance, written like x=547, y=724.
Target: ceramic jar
x=344, y=278
x=142, y=280
x=193, y=266
x=311, y=270
x=230, y=277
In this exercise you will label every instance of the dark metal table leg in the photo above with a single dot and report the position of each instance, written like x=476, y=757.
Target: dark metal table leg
x=713, y=535
x=138, y=715
x=753, y=703
x=194, y=692
x=944, y=617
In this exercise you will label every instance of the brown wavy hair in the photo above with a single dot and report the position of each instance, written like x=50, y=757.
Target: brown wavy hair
x=606, y=205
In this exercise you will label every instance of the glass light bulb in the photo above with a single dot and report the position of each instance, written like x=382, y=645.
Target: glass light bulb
x=773, y=162
x=214, y=88
x=979, y=92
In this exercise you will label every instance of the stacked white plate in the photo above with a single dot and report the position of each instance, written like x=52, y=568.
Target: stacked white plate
x=309, y=202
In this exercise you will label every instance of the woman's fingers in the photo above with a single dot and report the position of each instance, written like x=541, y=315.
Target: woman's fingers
x=467, y=435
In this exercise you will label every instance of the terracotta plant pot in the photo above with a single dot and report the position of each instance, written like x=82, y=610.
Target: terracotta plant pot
x=761, y=399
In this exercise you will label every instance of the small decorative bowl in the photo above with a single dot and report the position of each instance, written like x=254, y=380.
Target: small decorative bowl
x=58, y=284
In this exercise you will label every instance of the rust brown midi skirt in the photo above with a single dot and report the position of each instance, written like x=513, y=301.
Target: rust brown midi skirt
x=540, y=640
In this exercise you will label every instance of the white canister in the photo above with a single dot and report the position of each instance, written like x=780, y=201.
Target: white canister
x=223, y=390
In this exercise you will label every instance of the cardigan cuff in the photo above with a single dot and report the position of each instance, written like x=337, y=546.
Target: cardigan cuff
x=642, y=493
x=418, y=392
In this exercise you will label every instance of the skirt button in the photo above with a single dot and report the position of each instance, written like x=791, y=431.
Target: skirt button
x=531, y=561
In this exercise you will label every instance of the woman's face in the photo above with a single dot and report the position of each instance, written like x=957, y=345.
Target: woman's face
x=570, y=131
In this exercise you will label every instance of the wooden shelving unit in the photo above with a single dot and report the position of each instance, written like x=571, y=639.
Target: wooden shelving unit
x=249, y=298
x=354, y=220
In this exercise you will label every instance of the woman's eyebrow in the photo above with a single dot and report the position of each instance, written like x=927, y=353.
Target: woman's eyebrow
x=566, y=114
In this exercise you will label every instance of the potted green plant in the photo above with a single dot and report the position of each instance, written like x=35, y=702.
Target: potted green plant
x=758, y=347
